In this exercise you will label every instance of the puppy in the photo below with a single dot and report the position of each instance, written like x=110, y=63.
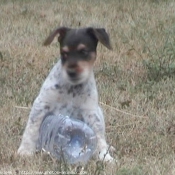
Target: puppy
x=70, y=88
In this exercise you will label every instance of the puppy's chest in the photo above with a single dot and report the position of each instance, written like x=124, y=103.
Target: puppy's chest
x=76, y=93
x=71, y=100
x=68, y=109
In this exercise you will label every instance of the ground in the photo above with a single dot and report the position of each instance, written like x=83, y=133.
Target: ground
x=135, y=80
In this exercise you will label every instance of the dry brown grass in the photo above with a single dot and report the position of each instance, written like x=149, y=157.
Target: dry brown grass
x=135, y=80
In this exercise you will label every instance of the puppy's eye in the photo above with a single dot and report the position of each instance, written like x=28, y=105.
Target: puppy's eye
x=84, y=52
x=64, y=54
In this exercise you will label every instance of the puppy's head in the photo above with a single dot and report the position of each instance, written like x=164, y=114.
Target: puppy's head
x=78, y=50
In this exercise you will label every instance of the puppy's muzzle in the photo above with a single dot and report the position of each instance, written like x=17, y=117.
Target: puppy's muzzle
x=73, y=71
x=72, y=74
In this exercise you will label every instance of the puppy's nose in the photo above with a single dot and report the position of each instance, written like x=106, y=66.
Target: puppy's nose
x=72, y=74
x=72, y=70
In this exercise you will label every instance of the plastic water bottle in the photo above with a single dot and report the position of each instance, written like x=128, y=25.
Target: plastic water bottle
x=67, y=139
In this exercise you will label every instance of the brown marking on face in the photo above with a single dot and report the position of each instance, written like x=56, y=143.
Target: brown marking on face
x=81, y=46
x=87, y=64
x=93, y=56
x=92, y=59
x=65, y=49
x=81, y=63
x=77, y=68
x=64, y=52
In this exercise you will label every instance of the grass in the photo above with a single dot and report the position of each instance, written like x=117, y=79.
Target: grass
x=135, y=80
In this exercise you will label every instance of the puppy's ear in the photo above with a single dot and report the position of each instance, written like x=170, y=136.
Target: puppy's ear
x=101, y=35
x=61, y=31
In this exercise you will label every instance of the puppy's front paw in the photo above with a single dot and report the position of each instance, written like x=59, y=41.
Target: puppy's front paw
x=112, y=149
x=106, y=157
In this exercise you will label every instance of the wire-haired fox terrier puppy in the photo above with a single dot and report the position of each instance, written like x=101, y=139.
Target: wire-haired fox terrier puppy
x=70, y=88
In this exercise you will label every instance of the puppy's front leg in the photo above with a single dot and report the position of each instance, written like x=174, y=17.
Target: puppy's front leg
x=31, y=133
x=95, y=120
